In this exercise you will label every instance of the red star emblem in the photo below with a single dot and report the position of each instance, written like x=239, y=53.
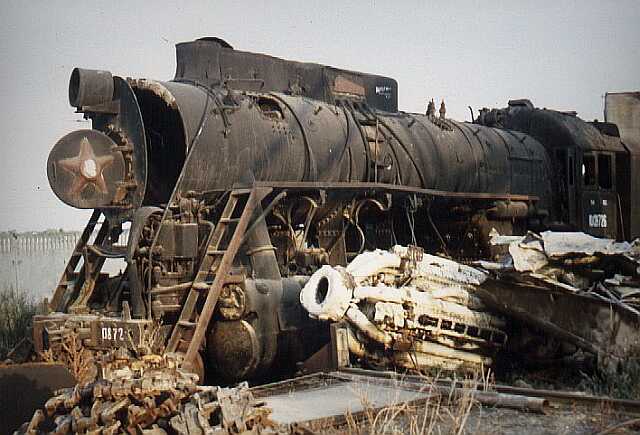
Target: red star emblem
x=86, y=168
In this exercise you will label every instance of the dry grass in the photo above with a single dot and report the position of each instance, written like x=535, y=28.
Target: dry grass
x=75, y=357
x=16, y=313
x=440, y=412
x=152, y=341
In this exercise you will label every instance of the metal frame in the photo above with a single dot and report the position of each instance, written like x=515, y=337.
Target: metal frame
x=384, y=188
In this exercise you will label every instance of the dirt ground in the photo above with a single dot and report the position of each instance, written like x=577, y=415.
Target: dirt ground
x=500, y=421
x=497, y=421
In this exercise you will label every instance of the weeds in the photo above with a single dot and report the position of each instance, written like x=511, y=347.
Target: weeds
x=77, y=358
x=440, y=412
x=16, y=313
x=621, y=383
x=151, y=341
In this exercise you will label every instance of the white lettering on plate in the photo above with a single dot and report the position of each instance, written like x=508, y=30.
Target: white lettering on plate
x=113, y=334
x=598, y=220
x=384, y=90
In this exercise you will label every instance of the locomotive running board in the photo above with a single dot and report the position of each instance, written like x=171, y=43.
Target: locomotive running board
x=387, y=188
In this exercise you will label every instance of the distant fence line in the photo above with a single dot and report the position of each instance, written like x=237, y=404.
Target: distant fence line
x=34, y=261
x=37, y=243
x=42, y=242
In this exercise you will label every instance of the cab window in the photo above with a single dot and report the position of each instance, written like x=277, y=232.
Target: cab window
x=597, y=171
x=604, y=171
x=589, y=170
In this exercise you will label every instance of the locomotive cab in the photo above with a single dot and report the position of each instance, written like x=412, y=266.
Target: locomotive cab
x=587, y=186
x=592, y=167
x=597, y=196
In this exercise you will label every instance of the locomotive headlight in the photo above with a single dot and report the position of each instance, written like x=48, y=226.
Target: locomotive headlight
x=104, y=167
x=83, y=169
x=89, y=169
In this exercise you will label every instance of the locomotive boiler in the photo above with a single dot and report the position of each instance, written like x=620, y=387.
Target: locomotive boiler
x=246, y=173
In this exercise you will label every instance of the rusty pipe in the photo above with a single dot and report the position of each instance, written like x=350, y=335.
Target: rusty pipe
x=508, y=210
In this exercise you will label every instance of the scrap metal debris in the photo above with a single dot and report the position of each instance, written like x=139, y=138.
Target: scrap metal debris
x=151, y=395
x=404, y=308
x=408, y=309
x=572, y=288
x=576, y=262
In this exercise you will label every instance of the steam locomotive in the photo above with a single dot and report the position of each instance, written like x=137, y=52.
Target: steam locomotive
x=246, y=173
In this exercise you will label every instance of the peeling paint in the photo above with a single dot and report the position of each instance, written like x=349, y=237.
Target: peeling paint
x=157, y=88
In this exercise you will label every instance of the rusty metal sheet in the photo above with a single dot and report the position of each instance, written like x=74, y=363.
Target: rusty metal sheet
x=320, y=396
x=559, y=244
x=26, y=387
x=528, y=254
x=601, y=327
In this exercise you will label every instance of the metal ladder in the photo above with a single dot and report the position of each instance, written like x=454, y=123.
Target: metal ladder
x=215, y=264
x=67, y=275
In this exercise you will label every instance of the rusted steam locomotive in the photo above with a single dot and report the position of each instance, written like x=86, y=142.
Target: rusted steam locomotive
x=246, y=173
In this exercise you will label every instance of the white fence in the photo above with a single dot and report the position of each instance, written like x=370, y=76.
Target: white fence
x=34, y=261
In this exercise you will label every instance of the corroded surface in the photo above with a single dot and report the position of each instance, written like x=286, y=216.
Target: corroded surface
x=149, y=395
x=407, y=309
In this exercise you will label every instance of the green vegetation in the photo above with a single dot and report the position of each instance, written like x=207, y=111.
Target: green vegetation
x=623, y=382
x=16, y=312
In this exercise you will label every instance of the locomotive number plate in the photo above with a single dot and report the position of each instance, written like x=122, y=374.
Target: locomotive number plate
x=107, y=333
x=598, y=220
x=112, y=334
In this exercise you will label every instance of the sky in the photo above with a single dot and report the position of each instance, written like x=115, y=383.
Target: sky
x=560, y=54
